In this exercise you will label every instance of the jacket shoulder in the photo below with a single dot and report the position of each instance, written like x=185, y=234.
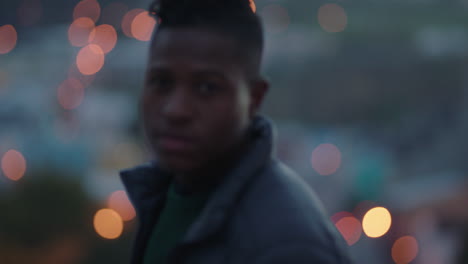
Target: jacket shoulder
x=279, y=207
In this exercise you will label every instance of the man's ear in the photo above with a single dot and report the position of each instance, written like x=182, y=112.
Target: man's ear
x=258, y=90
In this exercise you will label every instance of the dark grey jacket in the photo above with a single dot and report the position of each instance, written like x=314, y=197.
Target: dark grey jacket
x=261, y=213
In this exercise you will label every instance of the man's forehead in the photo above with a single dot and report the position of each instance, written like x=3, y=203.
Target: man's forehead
x=196, y=69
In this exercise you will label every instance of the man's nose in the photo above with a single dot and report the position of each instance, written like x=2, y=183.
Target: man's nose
x=178, y=106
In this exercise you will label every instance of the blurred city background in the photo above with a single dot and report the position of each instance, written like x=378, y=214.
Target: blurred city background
x=369, y=98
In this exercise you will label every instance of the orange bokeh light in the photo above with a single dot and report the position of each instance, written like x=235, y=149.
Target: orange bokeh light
x=70, y=93
x=376, y=222
x=8, y=38
x=405, y=249
x=350, y=228
x=108, y=223
x=143, y=26
x=113, y=13
x=90, y=59
x=253, y=6
x=127, y=21
x=87, y=8
x=105, y=36
x=29, y=12
x=13, y=165
x=80, y=30
x=336, y=217
x=119, y=202
x=276, y=18
x=332, y=18
x=86, y=80
x=326, y=159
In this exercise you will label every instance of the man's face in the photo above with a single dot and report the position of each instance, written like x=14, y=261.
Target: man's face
x=197, y=101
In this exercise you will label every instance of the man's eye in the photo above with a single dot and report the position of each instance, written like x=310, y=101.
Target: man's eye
x=207, y=88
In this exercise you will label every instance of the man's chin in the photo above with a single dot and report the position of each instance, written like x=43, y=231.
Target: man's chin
x=179, y=165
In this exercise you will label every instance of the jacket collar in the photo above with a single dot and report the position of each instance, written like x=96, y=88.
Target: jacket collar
x=145, y=184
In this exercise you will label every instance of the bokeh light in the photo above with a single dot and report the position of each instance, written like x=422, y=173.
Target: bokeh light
x=79, y=31
x=127, y=21
x=276, y=18
x=119, y=202
x=113, y=13
x=253, y=6
x=29, y=12
x=105, y=36
x=87, y=8
x=142, y=26
x=108, y=223
x=337, y=216
x=376, y=222
x=350, y=228
x=13, y=165
x=405, y=249
x=332, y=18
x=326, y=159
x=8, y=38
x=70, y=93
x=90, y=59
x=86, y=80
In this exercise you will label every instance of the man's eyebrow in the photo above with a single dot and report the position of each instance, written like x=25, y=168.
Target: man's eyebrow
x=211, y=73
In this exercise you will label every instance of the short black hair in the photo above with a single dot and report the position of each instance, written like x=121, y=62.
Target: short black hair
x=234, y=18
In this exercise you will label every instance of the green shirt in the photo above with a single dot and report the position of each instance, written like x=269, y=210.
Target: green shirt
x=176, y=217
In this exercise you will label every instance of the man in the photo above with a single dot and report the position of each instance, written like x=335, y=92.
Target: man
x=215, y=193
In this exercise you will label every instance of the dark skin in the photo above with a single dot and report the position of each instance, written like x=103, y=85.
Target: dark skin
x=197, y=104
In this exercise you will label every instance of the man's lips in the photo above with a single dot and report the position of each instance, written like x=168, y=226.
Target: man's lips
x=175, y=143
